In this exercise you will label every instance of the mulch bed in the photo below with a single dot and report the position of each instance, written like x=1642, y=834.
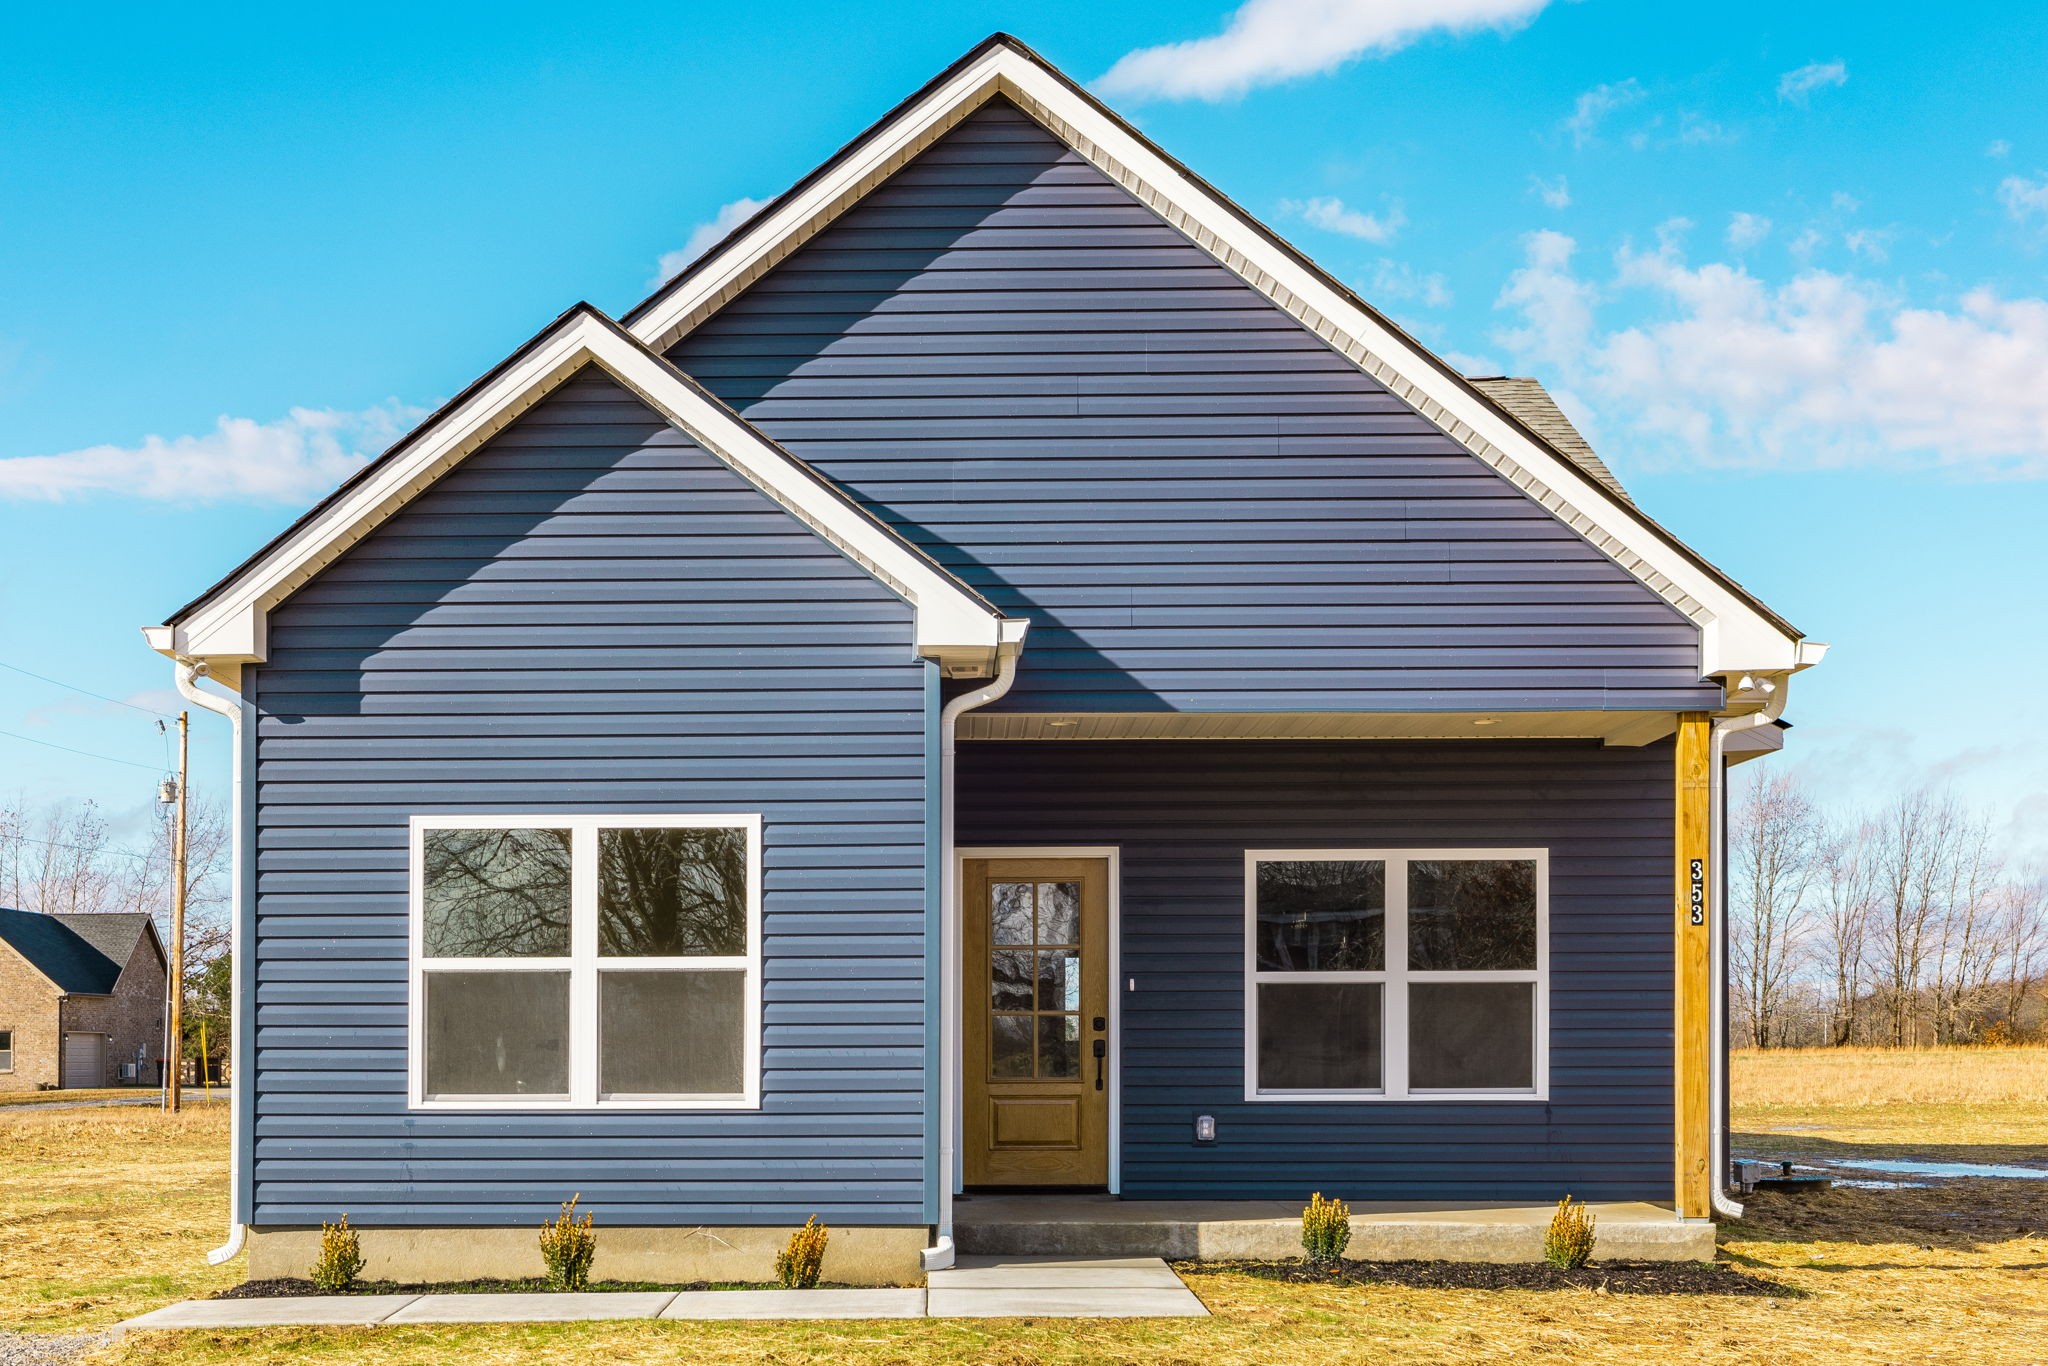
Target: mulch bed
x=1613, y=1278
x=292, y=1285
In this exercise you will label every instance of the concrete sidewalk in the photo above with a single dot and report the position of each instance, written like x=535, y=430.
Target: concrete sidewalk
x=984, y=1287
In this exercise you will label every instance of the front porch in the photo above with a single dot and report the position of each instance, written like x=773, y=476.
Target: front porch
x=1095, y=1225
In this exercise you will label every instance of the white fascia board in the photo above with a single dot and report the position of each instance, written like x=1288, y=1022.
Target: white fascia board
x=230, y=626
x=1733, y=634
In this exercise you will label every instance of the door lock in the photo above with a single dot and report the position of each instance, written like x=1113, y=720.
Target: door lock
x=1101, y=1052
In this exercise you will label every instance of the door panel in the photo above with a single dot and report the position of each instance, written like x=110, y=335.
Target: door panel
x=1036, y=995
x=84, y=1060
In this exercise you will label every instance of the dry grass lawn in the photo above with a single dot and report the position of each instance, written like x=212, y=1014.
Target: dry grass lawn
x=105, y=1213
x=1961, y=1104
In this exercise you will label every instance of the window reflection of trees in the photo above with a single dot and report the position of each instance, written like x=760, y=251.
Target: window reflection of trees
x=497, y=893
x=672, y=893
x=1472, y=915
x=1322, y=915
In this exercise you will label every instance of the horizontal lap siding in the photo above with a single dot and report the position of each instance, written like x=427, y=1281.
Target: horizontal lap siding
x=1184, y=813
x=592, y=614
x=1198, y=504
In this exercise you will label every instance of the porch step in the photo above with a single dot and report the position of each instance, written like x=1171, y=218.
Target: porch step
x=1270, y=1230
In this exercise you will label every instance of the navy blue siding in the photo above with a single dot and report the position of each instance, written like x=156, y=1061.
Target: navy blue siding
x=1199, y=504
x=1184, y=813
x=593, y=614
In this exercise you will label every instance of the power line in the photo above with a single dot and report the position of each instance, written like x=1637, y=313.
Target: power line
x=85, y=753
x=88, y=692
x=82, y=848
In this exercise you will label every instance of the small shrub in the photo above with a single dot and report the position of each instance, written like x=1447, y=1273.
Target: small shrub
x=567, y=1246
x=797, y=1266
x=1325, y=1230
x=1569, y=1241
x=340, y=1260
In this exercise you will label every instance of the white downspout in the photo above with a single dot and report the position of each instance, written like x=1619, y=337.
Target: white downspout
x=939, y=1255
x=1717, y=885
x=187, y=672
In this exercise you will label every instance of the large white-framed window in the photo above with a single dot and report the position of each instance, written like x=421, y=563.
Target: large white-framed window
x=1397, y=974
x=585, y=962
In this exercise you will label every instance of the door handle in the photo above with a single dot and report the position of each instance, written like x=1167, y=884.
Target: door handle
x=1101, y=1052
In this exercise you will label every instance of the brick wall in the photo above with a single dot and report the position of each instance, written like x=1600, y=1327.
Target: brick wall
x=133, y=1017
x=28, y=1007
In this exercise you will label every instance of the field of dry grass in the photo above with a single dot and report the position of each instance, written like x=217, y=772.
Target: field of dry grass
x=1959, y=1104
x=72, y=1097
x=104, y=1213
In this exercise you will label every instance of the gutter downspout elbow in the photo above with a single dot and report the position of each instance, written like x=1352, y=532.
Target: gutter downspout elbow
x=187, y=672
x=940, y=1254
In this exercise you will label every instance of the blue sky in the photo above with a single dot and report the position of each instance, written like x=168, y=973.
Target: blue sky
x=1788, y=265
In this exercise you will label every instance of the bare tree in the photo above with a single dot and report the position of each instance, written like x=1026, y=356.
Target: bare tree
x=2022, y=944
x=1847, y=897
x=1774, y=853
x=1913, y=849
x=1966, y=951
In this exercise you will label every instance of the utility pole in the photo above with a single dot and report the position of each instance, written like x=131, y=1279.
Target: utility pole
x=174, y=1050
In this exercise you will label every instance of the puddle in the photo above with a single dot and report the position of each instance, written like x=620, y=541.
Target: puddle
x=1854, y=1184
x=1906, y=1167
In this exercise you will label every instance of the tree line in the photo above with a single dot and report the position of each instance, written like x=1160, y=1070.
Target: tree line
x=67, y=859
x=1900, y=926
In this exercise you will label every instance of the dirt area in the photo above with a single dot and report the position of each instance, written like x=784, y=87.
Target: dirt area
x=1603, y=1278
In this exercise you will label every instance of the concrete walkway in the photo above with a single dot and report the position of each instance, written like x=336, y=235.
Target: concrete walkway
x=984, y=1287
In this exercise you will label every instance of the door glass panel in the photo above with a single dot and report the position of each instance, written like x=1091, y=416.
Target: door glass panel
x=1009, y=1045
x=1059, y=1046
x=1009, y=980
x=1059, y=980
x=1009, y=908
x=1059, y=912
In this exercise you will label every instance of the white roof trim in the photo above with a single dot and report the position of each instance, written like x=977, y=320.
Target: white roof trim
x=1734, y=634
x=228, y=625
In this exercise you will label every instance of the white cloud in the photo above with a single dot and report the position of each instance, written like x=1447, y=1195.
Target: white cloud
x=2024, y=198
x=1393, y=279
x=1265, y=42
x=1556, y=193
x=1596, y=104
x=1797, y=86
x=1999, y=148
x=1697, y=130
x=1745, y=230
x=1841, y=201
x=703, y=237
x=291, y=460
x=1826, y=370
x=1873, y=244
x=1331, y=216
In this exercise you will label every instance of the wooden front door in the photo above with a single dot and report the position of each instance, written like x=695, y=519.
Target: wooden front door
x=1036, y=993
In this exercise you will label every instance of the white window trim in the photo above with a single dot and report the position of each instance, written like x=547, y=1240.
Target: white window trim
x=7, y=1053
x=583, y=965
x=1394, y=995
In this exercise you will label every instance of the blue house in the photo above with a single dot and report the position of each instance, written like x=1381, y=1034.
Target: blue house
x=1002, y=676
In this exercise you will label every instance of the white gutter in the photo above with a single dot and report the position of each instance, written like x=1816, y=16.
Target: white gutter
x=187, y=672
x=939, y=1255
x=1717, y=886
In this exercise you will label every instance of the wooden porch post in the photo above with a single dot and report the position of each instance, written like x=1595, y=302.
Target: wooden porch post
x=1693, y=1030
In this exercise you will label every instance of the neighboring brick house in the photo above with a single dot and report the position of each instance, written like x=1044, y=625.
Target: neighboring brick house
x=80, y=995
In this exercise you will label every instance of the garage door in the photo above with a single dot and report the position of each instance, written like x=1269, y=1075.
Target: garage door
x=85, y=1060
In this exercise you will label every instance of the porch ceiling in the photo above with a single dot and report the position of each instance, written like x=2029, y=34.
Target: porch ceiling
x=1615, y=727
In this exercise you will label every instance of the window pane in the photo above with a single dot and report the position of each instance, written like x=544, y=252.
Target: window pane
x=1322, y=915
x=671, y=1033
x=1472, y=914
x=1009, y=979
x=1009, y=911
x=1471, y=1036
x=1059, y=1046
x=1059, y=980
x=1059, y=912
x=1319, y=1036
x=497, y=1033
x=496, y=894
x=672, y=893
x=1009, y=1045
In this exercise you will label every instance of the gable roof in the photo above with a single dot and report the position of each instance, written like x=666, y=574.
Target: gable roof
x=226, y=624
x=73, y=963
x=1535, y=409
x=113, y=933
x=1738, y=632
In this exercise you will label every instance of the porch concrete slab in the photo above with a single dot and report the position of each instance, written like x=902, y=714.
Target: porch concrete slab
x=1270, y=1230
x=796, y=1304
x=534, y=1308
x=1039, y=1302
x=1061, y=1273
x=283, y=1311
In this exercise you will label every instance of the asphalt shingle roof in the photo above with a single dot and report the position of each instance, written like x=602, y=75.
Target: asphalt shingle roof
x=61, y=953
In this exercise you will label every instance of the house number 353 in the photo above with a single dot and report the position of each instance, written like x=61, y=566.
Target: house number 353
x=1698, y=872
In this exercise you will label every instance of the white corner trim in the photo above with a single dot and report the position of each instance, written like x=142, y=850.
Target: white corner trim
x=230, y=624
x=1734, y=635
